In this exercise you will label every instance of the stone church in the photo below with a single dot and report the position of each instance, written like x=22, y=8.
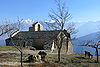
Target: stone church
x=40, y=39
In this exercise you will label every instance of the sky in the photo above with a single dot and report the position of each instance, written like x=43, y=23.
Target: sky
x=80, y=10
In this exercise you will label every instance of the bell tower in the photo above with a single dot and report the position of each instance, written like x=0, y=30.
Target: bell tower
x=36, y=27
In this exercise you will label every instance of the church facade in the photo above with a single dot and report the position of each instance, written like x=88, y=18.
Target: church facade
x=40, y=39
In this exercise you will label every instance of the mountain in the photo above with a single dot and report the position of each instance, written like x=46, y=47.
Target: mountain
x=2, y=40
x=83, y=28
x=80, y=40
x=44, y=23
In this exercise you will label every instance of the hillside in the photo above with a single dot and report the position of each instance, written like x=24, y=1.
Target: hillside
x=11, y=58
x=80, y=40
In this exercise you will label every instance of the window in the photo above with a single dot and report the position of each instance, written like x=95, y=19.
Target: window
x=38, y=27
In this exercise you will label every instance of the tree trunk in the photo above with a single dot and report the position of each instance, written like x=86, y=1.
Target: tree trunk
x=21, y=59
x=97, y=54
x=60, y=46
x=59, y=54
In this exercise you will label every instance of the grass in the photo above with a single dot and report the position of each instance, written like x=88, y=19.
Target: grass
x=25, y=60
x=7, y=48
x=73, y=60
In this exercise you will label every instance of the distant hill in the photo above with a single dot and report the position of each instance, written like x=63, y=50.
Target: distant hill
x=2, y=40
x=78, y=41
x=92, y=36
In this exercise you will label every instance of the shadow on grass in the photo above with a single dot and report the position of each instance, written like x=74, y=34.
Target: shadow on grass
x=81, y=57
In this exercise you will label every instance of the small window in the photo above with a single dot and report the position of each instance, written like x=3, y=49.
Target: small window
x=38, y=27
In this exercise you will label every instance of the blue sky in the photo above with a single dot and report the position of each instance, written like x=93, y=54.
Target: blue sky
x=85, y=10
x=81, y=10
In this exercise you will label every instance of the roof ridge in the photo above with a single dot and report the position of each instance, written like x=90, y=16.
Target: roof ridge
x=42, y=31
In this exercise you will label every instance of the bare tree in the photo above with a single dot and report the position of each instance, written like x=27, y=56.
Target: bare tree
x=18, y=46
x=90, y=43
x=61, y=17
x=5, y=28
x=10, y=28
x=15, y=28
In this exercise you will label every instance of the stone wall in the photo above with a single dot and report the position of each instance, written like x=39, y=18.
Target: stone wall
x=38, y=43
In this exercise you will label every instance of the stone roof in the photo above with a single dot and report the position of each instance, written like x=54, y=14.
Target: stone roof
x=37, y=34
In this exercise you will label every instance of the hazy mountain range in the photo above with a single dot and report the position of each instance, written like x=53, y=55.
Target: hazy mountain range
x=86, y=31
x=78, y=42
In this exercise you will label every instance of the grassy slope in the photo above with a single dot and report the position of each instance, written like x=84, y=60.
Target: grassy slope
x=73, y=60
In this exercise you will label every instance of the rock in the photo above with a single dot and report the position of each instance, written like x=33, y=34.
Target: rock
x=32, y=48
x=42, y=54
x=34, y=58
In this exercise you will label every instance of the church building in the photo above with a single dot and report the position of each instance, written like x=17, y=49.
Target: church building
x=40, y=39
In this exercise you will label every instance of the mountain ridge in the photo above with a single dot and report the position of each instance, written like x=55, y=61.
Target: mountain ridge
x=78, y=42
